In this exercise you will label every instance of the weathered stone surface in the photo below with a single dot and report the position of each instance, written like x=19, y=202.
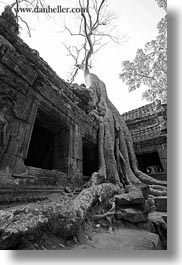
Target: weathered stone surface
x=131, y=215
x=35, y=59
x=161, y=203
x=9, y=161
x=10, y=78
x=6, y=43
x=158, y=220
x=82, y=92
x=160, y=217
x=20, y=65
x=62, y=218
x=143, y=187
x=9, y=19
x=17, y=73
x=5, y=176
x=134, y=196
x=123, y=239
x=27, y=198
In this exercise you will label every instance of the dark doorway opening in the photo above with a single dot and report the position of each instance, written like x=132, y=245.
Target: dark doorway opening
x=150, y=163
x=90, y=158
x=49, y=144
x=40, y=152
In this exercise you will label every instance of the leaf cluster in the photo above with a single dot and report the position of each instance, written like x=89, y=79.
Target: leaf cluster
x=149, y=67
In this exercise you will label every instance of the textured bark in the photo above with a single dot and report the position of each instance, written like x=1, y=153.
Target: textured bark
x=116, y=152
x=157, y=191
x=62, y=218
x=102, y=169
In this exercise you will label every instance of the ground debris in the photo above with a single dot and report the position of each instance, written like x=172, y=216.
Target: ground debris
x=59, y=217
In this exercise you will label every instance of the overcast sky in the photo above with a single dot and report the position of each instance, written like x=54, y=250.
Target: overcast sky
x=137, y=19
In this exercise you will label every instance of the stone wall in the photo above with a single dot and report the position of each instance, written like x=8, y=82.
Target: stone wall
x=31, y=92
x=148, y=127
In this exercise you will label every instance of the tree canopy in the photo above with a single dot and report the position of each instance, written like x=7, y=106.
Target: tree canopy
x=149, y=66
x=162, y=3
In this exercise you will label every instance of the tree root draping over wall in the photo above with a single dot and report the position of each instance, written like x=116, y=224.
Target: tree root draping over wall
x=117, y=158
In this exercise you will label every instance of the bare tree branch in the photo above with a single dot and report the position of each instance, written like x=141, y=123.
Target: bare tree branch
x=28, y=28
x=98, y=14
x=74, y=34
x=97, y=29
x=88, y=9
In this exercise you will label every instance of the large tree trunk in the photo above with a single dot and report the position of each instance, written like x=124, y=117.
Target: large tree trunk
x=116, y=152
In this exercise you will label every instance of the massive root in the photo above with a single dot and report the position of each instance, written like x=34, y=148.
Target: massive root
x=117, y=158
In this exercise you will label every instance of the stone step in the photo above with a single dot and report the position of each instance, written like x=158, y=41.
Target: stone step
x=131, y=215
x=143, y=187
x=161, y=203
x=45, y=172
x=17, y=194
x=29, y=190
x=132, y=195
x=37, y=176
x=156, y=215
x=10, y=199
x=6, y=202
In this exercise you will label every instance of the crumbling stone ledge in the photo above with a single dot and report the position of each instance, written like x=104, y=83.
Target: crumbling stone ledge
x=62, y=218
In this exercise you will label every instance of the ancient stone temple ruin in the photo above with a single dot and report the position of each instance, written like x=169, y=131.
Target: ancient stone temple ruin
x=148, y=128
x=49, y=149
x=46, y=135
x=47, y=139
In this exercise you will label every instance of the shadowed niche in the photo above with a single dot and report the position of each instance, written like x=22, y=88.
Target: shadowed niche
x=49, y=144
x=90, y=158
